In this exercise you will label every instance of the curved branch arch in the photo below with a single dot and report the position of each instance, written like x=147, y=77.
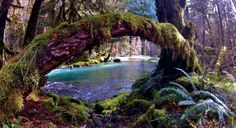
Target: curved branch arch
x=50, y=49
x=92, y=31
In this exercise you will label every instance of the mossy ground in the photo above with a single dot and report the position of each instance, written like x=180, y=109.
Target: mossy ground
x=125, y=110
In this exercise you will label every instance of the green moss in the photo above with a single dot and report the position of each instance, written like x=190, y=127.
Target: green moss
x=146, y=118
x=112, y=103
x=67, y=99
x=136, y=106
x=55, y=97
x=184, y=81
x=155, y=94
x=138, y=83
x=21, y=74
x=221, y=81
x=142, y=121
x=159, y=113
x=49, y=103
x=167, y=99
x=69, y=109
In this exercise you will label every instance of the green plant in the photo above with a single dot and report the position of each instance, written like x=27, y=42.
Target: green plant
x=200, y=103
x=204, y=107
x=180, y=87
x=178, y=92
x=208, y=95
x=10, y=125
x=189, y=78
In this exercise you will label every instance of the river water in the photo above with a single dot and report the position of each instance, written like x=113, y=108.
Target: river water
x=96, y=82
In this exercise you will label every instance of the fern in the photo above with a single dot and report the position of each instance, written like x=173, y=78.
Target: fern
x=186, y=103
x=180, y=87
x=163, y=122
x=204, y=107
x=189, y=78
x=170, y=98
x=178, y=92
x=201, y=79
x=207, y=95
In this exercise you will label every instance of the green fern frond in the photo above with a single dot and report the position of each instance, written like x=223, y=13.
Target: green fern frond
x=167, y=99
x=206, y=95
x=163, y=122
x=200, y=78
x=186, y=103
x=178, y=92
x=180, y=87
x=189, y=78
x=205, y=106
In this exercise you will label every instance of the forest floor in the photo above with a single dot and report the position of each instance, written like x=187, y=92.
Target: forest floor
x=50, y=111
x=36, y=115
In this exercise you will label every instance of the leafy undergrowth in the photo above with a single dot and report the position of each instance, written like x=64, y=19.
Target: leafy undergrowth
x=190, y=101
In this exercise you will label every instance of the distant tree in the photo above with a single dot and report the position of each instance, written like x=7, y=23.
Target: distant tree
x=32, y=23
x=143, y=7
x=3, y=18
x=216, y=21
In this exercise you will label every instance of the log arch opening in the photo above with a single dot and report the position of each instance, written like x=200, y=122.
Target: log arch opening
x=74, y=39
x=49, y=50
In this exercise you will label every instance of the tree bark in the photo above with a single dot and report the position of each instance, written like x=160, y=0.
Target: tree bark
x=172, y=11
x=32, y=23
x=3, y=18
x=220, y=24
x=4, y=6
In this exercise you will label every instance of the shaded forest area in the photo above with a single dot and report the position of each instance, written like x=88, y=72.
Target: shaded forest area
x=193, y=84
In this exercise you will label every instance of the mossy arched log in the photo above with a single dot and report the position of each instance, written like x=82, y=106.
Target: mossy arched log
x=85, y=34
x=52, y=48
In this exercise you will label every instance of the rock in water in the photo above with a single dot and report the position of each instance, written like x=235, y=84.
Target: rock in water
x=116, y=60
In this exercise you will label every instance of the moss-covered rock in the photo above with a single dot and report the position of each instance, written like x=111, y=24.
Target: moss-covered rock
x=110, y=105
x=70, y=110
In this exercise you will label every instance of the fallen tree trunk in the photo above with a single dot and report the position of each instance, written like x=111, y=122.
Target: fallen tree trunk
x=51, y=49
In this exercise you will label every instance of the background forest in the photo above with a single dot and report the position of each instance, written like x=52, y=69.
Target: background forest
x=193, y=84
x=214, y=22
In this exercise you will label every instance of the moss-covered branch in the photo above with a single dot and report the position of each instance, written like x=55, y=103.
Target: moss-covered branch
x=75, y=38
x=50, y=49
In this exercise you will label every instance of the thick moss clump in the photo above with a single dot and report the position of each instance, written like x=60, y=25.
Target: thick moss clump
x=69, y=109
x=146, y=119
x=109, y=105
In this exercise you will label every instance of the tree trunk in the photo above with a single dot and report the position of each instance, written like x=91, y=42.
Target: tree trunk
x=172, y=11
x=220, y=24
x=3, y=18
x=32, y=23
x=4, y=6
